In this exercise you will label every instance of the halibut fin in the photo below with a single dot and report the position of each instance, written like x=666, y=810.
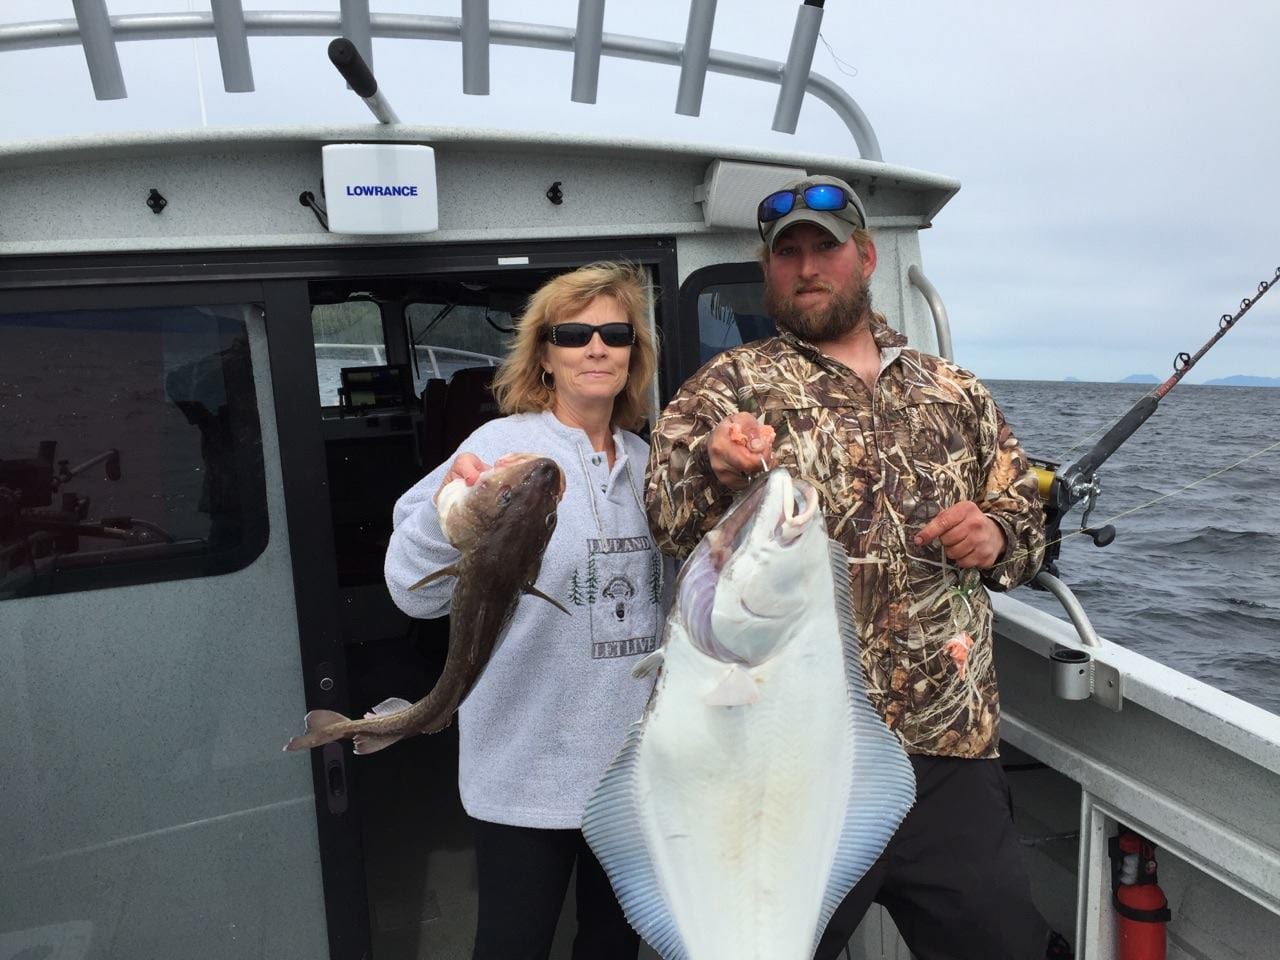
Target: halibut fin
x=649, y=664
x=736, y=688
x=883, y=786
x=609, y=824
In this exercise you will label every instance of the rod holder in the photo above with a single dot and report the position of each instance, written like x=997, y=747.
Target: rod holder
x=1072, y=673
x=344, y=55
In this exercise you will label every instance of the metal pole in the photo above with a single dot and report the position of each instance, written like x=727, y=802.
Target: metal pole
x=940, y=322
x=100, y=49
x=128, y=27
x=795, y=75
x=697, y=51
x=1088, y=636
x=233, y=46
x=475, y=47
x=357, y=28
x=587, y=41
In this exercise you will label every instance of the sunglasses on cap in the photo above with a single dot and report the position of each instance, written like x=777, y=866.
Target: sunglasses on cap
x=580, y=334
x=821, y=196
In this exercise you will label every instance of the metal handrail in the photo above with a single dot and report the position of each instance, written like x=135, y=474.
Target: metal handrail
x=941, y=324
x=431, y=352
x=1071, y=603
x=171, y=26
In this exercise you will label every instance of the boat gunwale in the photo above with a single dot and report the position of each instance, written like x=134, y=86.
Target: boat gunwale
x=1224, y=719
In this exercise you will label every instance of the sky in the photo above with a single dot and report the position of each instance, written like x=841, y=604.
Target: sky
x=1118, y=160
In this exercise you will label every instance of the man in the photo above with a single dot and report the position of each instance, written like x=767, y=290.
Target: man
x=912, y=460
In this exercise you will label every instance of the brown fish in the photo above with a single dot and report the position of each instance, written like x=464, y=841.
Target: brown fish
x=501, y=526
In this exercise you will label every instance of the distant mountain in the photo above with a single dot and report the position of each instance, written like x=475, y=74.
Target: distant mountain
x=1141, y=378
x=1241, y=380
x=1072, y=380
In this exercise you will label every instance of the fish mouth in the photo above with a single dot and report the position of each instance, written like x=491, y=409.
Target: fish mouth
x=528, y=469
x=546, y=473
x=797, y=504
x=771, y=517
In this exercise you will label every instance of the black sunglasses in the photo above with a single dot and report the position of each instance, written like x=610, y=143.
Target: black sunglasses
x=821, y=196
x=580, y=334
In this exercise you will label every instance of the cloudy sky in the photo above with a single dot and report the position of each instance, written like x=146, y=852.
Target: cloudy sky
x=1117, y=159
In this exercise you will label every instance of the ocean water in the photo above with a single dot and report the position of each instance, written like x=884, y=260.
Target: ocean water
x=1192, y=580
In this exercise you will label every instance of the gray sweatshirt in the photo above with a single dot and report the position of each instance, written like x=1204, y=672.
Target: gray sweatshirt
x=553, y=706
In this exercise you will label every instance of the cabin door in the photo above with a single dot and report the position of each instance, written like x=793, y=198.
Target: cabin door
x=388, y=372
x=149, y=633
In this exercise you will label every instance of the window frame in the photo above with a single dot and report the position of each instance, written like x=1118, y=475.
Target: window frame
x=136, y=565
x=695, y=284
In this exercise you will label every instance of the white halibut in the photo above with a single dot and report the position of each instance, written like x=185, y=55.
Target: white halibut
x=760, y=785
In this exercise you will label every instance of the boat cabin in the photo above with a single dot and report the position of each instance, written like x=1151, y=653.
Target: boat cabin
x=210, y=399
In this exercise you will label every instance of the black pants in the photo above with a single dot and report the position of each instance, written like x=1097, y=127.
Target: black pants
x=523, y=875
x=952, y=876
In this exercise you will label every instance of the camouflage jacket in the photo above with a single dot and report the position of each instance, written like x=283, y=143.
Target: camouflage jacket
x=884, y=462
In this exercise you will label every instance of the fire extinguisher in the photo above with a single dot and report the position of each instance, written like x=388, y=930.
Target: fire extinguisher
x=1141, y=907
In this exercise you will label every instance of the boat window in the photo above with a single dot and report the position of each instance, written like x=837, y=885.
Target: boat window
x=347, y=334
x=131, y=450
x=728, y=301
x=447, y=337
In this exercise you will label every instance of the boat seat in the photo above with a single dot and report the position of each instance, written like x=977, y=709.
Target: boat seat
x=432, y=399
x=468, y=403
x=755, y=327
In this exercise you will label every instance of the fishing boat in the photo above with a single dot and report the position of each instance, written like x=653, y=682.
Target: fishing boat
x=223, y=355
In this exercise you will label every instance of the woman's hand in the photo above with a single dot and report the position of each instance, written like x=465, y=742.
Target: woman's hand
x=466, y=467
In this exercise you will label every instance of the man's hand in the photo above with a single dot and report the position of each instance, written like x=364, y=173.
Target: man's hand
x=969, y=537
x=739, y=446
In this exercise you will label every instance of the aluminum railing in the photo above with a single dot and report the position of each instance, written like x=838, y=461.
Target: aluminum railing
x=98, y=33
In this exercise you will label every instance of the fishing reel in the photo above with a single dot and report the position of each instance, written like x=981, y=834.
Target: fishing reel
x=1079, y=482
x=1059, y=493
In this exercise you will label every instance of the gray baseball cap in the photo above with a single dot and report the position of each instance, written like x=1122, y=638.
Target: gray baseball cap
x=839, y=223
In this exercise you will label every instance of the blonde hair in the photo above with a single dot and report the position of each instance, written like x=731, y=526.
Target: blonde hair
x=518, y=384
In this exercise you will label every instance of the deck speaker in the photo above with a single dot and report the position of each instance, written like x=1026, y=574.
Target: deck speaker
x=732, y=190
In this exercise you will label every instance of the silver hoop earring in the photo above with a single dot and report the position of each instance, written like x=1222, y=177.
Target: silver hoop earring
x=548, y=385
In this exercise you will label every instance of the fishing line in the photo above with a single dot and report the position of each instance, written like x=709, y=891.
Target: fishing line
x=841, y=64
x=1166, y=496
x=1149, y=503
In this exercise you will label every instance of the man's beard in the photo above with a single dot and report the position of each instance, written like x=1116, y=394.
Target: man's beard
x=841, y=315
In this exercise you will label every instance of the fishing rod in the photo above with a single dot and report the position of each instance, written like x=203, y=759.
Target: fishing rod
x=1079, y=482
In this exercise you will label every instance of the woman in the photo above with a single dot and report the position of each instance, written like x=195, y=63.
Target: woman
x=552, y=708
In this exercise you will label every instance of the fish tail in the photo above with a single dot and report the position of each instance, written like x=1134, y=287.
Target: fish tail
x=322, y=726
